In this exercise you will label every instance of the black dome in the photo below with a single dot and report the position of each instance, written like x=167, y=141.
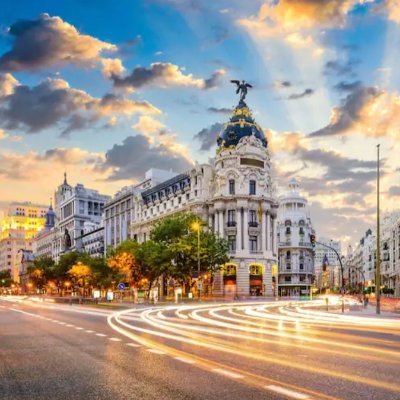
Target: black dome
x=241, y=124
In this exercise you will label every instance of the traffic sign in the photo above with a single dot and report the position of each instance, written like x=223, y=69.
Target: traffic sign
x=121, y=286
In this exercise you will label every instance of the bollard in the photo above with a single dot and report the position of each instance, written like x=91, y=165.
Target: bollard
x=327, y=302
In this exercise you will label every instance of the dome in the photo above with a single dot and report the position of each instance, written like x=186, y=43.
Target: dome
x=240, y=124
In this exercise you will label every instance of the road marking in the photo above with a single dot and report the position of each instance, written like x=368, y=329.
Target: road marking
x=101, y=334
x=228, y=373
x=133, y=344
x=287, y=392
x=114, y=339
x=78, y=328
x=185, y=360
x=61, y=323
x=69, y=325
x=89, y=331
x=155, y=351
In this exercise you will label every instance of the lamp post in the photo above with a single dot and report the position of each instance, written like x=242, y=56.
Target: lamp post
x=196, y=227
x=378, y=242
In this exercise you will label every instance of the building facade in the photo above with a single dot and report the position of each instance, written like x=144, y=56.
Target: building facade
x=295, y=253
x=327, y=264
x=77, y=214
x=19, y=225
x=234, y=197
x=121, y=210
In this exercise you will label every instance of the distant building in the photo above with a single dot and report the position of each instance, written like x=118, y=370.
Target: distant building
x=19, y=225
x=295, y=252
x=327, y=264
x=73, y=208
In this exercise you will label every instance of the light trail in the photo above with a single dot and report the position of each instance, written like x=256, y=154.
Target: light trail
x=203, y=326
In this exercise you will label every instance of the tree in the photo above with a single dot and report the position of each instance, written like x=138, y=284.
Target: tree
x=42, y=271
x=5, y=278
x=80, y=273
x=122, y=260
x=66, y=262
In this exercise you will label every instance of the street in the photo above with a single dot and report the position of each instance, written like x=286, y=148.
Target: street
x=241, y=350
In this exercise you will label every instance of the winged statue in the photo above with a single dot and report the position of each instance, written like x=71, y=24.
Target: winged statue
x=242, y=88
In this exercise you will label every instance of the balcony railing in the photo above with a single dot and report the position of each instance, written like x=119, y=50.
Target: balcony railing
x=231, y=223
x=253, y=224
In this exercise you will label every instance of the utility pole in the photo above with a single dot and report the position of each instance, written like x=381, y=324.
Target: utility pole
x=378, y=242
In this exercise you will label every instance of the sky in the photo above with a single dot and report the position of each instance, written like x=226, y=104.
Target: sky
x=105, y=90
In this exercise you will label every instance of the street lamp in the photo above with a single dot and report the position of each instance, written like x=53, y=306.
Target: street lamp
x=196, y=227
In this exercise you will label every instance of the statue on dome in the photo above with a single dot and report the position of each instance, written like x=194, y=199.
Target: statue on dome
x=242, y=88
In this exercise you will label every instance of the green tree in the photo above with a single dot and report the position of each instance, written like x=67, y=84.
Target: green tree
x=5, y=278
x=42, y=271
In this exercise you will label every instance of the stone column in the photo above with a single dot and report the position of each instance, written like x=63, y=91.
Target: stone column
x=269, y=247
x=246, y=229
x=274, y=244
x=210, y=221
x=221, y=224
x=239, y=229
x=216, y=230
x=263, y=232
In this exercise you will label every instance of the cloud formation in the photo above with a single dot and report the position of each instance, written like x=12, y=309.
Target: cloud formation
x=49, y=42
x=296, y=21
x=305, y=93
x=164, y=75
x=131, y=159
x=368, y=111
x=208, y=136
x=53, y=102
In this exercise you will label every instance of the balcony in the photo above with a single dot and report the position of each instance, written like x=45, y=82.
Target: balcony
x=253, y=224
x=231, y=224
x=285, y=244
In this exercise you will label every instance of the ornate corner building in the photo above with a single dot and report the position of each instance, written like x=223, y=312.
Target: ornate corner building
x=296, y=272
x=234, y=197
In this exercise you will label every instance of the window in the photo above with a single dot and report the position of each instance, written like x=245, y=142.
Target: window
x=288, y=279
x=231, y=186
x=231, y=218
x=179, y=200
x=252, y=188
x=230, y=269
x=288, y=231
x=232, y=242
x=301, y=231
x=256, y=269
x=253, y=243
x=288, y=254
x=301, y=266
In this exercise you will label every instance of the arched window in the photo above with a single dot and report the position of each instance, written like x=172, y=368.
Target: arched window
x=301, y=222
x=252, y=187
x=256, y=269
x=288, y=223
x=230, y=269
x=231, y=186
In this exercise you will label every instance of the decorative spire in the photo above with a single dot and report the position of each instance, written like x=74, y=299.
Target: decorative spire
x=65, y=179
x=51, y=204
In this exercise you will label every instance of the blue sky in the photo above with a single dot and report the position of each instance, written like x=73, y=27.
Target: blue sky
x=325, y=83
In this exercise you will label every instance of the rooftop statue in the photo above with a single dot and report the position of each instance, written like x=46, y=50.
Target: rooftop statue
x=242, y=88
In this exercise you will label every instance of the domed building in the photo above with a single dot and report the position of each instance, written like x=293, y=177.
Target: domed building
x=244, y=209
x=296, y=256
x=234, y=197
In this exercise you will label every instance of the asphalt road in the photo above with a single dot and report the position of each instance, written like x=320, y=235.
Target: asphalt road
x=240, y=351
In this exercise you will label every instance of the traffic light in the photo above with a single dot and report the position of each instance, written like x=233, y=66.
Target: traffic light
x=312, y=239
